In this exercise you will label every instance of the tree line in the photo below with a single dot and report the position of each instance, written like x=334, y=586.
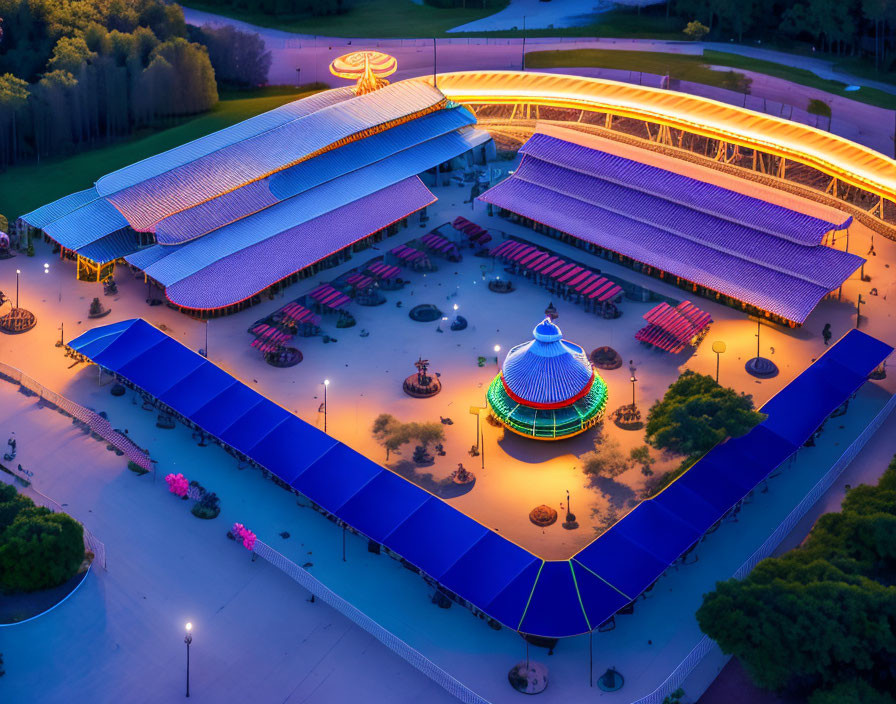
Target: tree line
x=843, y=27
x=820, y=621
x=75, y=73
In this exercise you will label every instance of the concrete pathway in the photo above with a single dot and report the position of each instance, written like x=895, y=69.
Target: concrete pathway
x=300, y=58
x=537, y=14
x=119, y=638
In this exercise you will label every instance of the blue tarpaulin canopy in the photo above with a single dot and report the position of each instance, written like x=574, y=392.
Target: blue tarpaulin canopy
x=552, y=599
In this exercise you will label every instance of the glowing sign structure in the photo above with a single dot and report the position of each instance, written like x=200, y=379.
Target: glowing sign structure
x=368, y=68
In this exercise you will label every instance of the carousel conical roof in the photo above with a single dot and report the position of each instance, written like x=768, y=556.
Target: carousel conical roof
x=547, y=370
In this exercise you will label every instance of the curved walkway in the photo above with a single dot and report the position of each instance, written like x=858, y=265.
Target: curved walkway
x=298, y=58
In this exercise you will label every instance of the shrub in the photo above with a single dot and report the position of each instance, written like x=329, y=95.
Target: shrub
x=136, y=468
x=819, y=107
x=606, y=460
x=177, y=484
x=732, y=80
x=696, y=30
x=12, y=503
x=209, y=506
x=40, y=550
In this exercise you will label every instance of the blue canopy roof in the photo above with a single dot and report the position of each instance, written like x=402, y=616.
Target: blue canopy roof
x=506, y=582
x=547, y=369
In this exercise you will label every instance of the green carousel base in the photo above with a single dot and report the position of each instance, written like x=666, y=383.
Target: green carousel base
x=548, y=424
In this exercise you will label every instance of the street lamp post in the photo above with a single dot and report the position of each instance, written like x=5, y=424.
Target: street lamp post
x=18, y=273
x=758, y=330
x=859, y=302
x=188, y=638
x=634, y=379
x=497, y=351
x=719, y=348
x=326, y=384
x=760, y=366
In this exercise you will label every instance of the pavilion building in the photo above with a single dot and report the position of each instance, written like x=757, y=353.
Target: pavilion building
x=741, y=250
x=217, y=221
x=547, y=388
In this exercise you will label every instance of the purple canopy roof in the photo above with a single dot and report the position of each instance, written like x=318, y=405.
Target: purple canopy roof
x=677, y=188
x=772, y=272
x=240, y=275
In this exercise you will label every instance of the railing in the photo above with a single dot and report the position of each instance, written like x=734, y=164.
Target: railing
x=680, y=673
x=94, y=421
x=391, y=641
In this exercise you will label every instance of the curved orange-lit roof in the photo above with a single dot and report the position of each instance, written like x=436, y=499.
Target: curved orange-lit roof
x=851, y=162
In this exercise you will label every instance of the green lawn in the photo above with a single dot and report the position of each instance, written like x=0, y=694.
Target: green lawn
x=367, y=18
x=24, y=188
x=696, y=69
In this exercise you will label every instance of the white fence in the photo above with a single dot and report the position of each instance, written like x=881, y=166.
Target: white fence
x=680, y=674
x=97, y=424
x=94, y=421
x=391, y=641
x=94, y=544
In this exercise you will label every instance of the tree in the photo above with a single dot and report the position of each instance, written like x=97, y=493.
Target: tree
x=239, y=58
x=696, y=413
x=853, y=691
x=606, y=460
x=695, y=30
x=392, y=433
x=822, y=618
x=70, y=53
x=192, y=88
x=40, y=550
x=13, y=99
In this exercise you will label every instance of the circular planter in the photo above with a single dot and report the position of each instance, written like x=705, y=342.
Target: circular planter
x=762, y=368
x=543, y=516
x=501, y=286
x=425, y=313
x=528, y=677
x=288, y=357
x=17, y=321
x=203, y=513
x=413, y=387
x=606, y=358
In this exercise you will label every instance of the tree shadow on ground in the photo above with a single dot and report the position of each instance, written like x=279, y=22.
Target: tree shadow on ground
x=443, y=488
x=617, y=494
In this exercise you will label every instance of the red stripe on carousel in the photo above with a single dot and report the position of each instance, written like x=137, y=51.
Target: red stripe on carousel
x=549, y=406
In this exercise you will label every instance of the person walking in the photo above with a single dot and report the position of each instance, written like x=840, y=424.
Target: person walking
x=826, y=334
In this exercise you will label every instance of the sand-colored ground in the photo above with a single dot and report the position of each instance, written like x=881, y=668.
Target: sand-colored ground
x=504, y=491
x=366, y=373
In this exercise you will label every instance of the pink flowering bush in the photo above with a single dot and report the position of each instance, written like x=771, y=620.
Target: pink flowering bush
x=244, y=534
x=177, y=484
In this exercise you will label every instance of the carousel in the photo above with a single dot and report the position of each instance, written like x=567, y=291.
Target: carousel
x=547, y=388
